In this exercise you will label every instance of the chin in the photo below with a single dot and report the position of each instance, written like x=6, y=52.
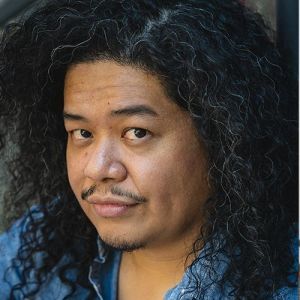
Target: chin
x=122, y=244
x=121, y=236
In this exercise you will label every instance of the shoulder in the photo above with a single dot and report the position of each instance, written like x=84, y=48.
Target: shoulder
x=291, y=293
x=10, y=240
x=10, y=243
x=286, y=294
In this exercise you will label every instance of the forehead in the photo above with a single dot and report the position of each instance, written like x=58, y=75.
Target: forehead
x=107, y=80
x=96, y=90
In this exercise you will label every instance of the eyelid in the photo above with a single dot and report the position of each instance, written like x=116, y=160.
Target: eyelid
x=126, y=130
x=80, y=138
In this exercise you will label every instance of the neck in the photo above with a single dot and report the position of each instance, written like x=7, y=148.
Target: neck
x=162, y=266
x=153, y=270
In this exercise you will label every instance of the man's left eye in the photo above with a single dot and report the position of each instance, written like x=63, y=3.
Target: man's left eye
x=135, y=133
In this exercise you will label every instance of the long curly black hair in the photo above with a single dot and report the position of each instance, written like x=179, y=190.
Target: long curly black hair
x=216, y=60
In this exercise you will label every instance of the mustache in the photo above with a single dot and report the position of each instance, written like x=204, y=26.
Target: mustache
x=114, y=191
x=90, y=191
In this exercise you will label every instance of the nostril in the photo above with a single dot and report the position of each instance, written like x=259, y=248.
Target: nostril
x=105, y=180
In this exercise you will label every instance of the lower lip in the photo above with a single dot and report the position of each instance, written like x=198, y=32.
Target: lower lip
x=112, y=210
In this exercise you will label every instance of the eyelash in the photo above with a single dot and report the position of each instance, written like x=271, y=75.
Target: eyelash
x=137, y=130
x=73, y=132
x=145, y=131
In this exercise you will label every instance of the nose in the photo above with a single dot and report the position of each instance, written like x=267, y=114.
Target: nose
x=104, y=163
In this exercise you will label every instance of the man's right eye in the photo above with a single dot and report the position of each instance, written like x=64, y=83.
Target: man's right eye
x=81, y=134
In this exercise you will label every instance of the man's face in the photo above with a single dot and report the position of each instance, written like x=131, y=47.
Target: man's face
x=134, y=156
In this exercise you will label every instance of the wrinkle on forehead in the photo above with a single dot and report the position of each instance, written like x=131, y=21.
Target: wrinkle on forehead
x=100, y=79
x=124, y=76
x=114, y=84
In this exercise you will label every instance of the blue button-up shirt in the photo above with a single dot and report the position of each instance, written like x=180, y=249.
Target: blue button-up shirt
x=103, y=275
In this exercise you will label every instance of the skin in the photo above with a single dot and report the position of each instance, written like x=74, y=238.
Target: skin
x=164, y=163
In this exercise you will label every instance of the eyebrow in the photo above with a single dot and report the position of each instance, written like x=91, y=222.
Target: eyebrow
x=74, y=117
x=141, y=110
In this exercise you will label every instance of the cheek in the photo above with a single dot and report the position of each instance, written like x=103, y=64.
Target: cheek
x=75, y=168
x=174, y=180
x=160, y=177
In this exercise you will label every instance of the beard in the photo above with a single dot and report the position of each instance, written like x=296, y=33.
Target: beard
x=122, y=244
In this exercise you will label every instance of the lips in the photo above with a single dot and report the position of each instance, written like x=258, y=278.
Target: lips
x=110, y=208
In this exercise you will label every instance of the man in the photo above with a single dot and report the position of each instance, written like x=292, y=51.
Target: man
x=179, y=155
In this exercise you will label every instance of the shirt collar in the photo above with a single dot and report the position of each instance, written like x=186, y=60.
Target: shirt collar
x=102, y=251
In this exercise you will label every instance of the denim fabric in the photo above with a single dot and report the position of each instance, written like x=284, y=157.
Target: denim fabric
x=103, y=275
